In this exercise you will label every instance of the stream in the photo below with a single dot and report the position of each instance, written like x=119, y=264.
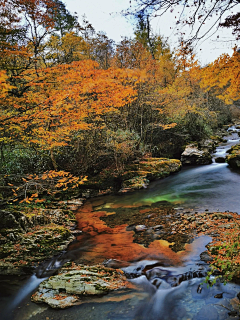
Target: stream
x=172, y=287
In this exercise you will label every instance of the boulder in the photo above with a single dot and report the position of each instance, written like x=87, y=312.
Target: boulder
x=207, y=145
x=139, y=174
x=66, y=288
x=10, y=219
x=192, y=156
x=220, y=160
x=233, y=159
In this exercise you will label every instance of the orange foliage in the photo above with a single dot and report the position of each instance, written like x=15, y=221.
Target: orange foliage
x=67, y=98
x=223, y=77
x=50, y=182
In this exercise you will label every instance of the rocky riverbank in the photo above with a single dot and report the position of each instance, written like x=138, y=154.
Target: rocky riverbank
x=75, y=282
x=136, y=175
x=31, y=235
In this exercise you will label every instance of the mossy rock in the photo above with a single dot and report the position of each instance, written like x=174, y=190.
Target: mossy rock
x=233, y=159
x=32, y=235
x=136, y=183
x=66, y=288
x=138, y=175
x=153, y=168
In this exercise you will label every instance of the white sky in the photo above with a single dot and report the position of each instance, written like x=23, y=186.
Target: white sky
x=102, y=14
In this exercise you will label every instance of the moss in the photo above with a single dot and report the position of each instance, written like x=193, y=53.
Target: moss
x=233, y=158
x=137, y=175
x=101, y=288
x=33, y=246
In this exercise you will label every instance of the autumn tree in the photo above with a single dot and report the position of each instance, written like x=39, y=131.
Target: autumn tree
x=66, y=49
x=183, y=100
x=102, y=49
x=66, y=99
x=222, y=77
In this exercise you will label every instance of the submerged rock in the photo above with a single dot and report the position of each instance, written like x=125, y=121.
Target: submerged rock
x=192, y=155
x=220, y=160
x=65, y=289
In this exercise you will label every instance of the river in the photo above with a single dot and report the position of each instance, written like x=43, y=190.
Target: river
x=213, y=187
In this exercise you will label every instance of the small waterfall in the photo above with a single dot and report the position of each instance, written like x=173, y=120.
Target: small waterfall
x=231, y=140
x=49, y=267
x=163, y=304
x=44, y=271
x=32, y=283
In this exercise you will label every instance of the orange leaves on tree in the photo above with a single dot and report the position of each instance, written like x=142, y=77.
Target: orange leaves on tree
x=49, y=182
x=67, y=98
x=222, y=77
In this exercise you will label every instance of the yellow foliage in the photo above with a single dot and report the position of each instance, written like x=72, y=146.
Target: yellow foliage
x=222, y=77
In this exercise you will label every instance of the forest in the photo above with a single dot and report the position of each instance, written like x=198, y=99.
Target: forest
x=78, y=111
x=72, y=100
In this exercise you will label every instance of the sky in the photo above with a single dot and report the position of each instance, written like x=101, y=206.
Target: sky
x=105, y=16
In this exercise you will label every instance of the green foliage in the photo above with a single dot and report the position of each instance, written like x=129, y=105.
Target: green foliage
x=20, y=160
x=196, y=127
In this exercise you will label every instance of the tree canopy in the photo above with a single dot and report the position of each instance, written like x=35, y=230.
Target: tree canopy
x=72, y=100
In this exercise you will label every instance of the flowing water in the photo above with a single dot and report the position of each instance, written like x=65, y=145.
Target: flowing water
x=171, y=287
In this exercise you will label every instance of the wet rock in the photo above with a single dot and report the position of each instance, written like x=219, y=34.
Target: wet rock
x=192, y=155
x=158, y=227
x=238, y=295
x=204, y=256
x=200, y=291
x=140, y=228
x=65, y=289
x=220, y=160
x=234, y=158
x=233, y=313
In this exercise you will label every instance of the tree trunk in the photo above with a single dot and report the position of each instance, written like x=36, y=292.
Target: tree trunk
x=54, y=163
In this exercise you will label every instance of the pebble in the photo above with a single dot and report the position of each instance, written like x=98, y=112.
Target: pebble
x=159, y=226
x=140, y=228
